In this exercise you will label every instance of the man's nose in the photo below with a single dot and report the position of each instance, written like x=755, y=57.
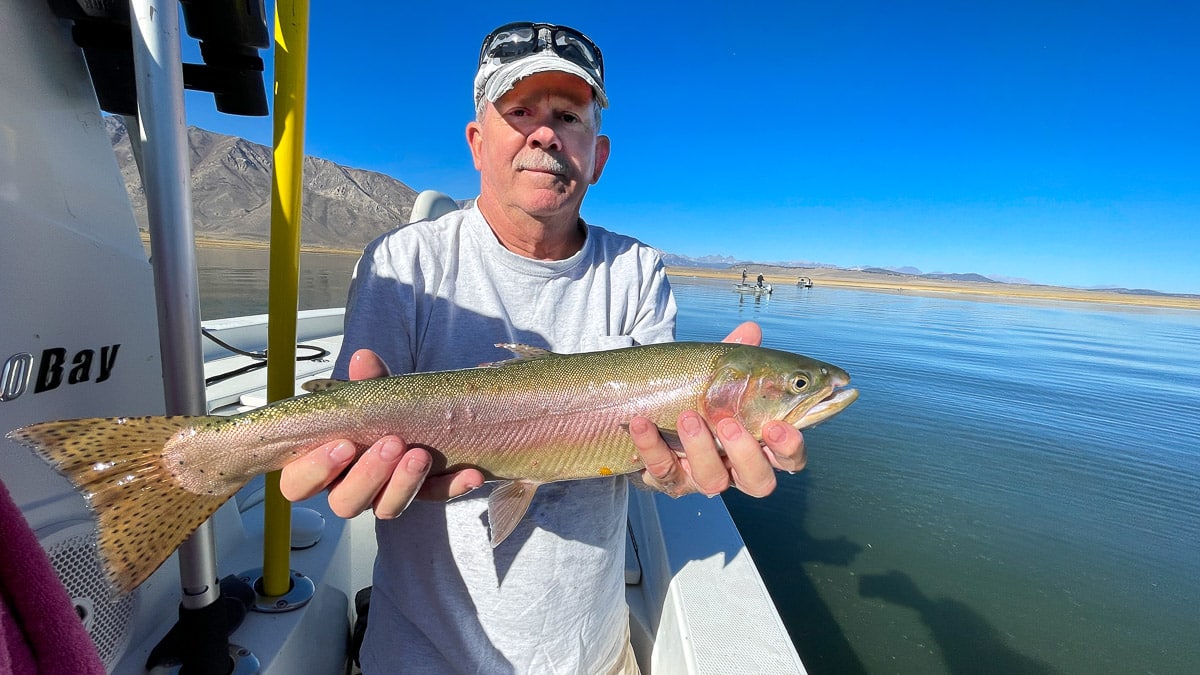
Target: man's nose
x=544, y=137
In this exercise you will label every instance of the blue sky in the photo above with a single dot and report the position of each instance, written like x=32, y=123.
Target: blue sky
x=1053, y=141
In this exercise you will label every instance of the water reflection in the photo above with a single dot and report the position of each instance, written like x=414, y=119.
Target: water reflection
x=760, y=299
x=234, y=282
x=968, y=642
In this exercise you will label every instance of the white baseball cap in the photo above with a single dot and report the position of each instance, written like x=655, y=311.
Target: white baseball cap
x=517, y=50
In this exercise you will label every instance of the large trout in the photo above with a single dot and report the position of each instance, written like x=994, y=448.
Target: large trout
x=540, y=418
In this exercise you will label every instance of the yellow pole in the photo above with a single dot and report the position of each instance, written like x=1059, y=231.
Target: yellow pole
x=291, y=75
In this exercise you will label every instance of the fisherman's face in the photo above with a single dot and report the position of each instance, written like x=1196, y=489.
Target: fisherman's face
x=537, y=148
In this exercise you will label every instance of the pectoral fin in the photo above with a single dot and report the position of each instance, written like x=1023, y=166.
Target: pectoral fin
x=507, y=505
x=671, y=438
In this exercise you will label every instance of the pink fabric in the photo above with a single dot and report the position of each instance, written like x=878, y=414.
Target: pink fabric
x=39, y=629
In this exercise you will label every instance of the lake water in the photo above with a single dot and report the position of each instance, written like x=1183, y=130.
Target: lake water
x=1017, y=489
x=233, y=282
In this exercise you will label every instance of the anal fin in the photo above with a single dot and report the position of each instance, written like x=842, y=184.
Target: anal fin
x=507, y=506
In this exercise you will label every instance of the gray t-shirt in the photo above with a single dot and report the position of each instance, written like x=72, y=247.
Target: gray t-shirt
x=440, y=294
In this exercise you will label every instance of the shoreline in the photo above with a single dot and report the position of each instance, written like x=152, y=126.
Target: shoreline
x=886, y=283
x=838, y=278
x=247, y=245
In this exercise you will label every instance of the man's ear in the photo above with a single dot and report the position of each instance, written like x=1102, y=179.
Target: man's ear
x=602, y=149
x=475, y=143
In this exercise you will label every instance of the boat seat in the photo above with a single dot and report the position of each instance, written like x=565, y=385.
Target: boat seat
x=431, y=204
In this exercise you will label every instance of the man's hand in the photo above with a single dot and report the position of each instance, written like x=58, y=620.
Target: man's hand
x=387, y=477
x=746, y=464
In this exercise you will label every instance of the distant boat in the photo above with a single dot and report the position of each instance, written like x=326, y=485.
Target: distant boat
x=804, y=281
x=765, y=289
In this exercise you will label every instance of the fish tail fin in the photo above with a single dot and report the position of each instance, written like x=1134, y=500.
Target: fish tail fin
x=142, y=514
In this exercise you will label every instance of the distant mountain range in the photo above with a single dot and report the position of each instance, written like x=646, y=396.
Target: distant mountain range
x=914, y=272
x=727, y=262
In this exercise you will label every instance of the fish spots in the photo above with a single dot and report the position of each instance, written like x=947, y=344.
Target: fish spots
x=123, y=471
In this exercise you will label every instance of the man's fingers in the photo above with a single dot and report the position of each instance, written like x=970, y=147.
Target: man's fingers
x=313, y=472
x=448, y=486
x=748, y=333
x=407, y=478
x=367, y=478
x=704, y=462
x=785, y=447
x=751, y=471
x=663, y=470
x=366, y=365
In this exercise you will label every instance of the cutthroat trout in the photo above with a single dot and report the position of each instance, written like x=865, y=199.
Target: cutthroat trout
x=539, y=418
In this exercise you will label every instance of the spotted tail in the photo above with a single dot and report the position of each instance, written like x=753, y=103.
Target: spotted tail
x=142, y=514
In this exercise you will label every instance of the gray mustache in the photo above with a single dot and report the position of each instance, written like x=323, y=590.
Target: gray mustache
x=540, y=160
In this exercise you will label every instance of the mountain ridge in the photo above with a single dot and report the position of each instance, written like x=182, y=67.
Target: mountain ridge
x=343, y=208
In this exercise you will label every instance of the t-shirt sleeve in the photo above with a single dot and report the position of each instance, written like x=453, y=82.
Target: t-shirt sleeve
x=656, y=315
x=379, y=311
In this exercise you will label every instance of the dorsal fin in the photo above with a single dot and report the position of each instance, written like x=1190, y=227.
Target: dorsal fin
x=522, y=353
x=323, y=384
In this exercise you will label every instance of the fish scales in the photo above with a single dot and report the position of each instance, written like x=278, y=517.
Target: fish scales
x=546, y=417
x=498, y=419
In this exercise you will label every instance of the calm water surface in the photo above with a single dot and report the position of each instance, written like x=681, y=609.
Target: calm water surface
x=233, y=282
x=1017, y=489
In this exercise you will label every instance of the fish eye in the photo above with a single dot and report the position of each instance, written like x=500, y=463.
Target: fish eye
x=799, y=383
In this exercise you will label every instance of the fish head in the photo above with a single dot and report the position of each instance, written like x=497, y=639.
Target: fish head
x=756, y=385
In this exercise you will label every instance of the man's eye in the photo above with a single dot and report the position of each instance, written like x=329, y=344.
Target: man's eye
x=570, y=118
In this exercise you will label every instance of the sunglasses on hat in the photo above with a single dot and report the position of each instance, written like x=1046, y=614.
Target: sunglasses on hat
x=514, y=41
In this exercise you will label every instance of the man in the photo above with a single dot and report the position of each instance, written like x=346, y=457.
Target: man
x=519, y=266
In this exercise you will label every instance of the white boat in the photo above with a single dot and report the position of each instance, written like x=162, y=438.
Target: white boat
x=92, y=328
x=754, y=289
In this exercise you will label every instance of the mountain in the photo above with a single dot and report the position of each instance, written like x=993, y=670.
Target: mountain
x=723, y=262
x=969, y=276
x=343, y=208
x=719, y=262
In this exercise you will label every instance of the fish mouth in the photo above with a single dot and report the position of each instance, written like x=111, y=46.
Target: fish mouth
x=832, y=404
